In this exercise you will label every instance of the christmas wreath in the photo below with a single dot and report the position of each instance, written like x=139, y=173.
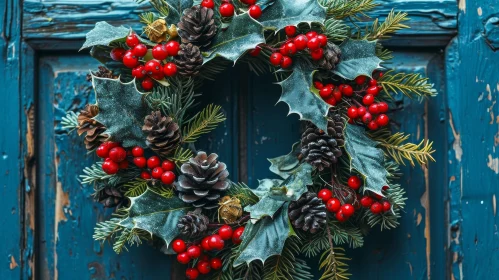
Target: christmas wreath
x=338, y=181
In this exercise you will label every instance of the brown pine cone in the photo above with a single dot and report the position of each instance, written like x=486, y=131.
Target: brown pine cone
x=193, y=224
x=307, y=213
x=103, y=72
x=93, y=129
x=197, y=26
x=163, y=134
x=331, y=58
x=110, y=197
x=189, y=60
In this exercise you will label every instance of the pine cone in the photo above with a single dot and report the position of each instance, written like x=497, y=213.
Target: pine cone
x=197, y=26
x=193, y=224
x=307, y=213
x=110, y=197
x=188, y=60
x=331, y=58
x=163, y=134
x=321, y=149
x=93, y=129
x=103, y=72
x=203, y=180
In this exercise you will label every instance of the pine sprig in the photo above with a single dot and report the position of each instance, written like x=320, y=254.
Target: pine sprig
x=70, y=121
x=336, y=30
x=204, y=122
x=181, y=156
x=393, y=23
x=94, y=174
x=135, y=187
x=340, y=9
x=243, y=193
x=147, y=18
x=105, y=230
x=389, y=220
x=333, y=261
x=287, y=266
x=159, y=5
x=411, y=85
x=396, y=148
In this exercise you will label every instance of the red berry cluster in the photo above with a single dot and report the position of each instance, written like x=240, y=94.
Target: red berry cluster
x=210, y=243
x=114, y=155
x=332, y=94
x=156, y=68
x=226, y=9
x=312, y=42
x=377, y=204
x=155, y=168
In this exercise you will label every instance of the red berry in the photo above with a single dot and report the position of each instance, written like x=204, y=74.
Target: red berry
x=376, y=208
x=117, y=54
x=337, y=94
x=249, y=2
x=282, y=49
x=117, y=154
x=159, y=52
x=372, y=125
x=326, y=92
x=361, y=111
x=373, y=82
x=325, y=195
x=367, y=117
x=372, y=90
x=236, y=236
x=225, y=232
x=170, y=69
x=341, y=217
x=178, y=246
x=386, y=206
x=123, y=164
x=103, y=151
x=290, y=48
x=366, y=201
x=311, y=34
x=317, y=54
x=203, y=267
x=216, y=242
x=157, y=172
x=192, y=273
x=147, y=83
x=382, y=107
x=318, y=85
x=290, y=30
x=286, y=62
x=384, y=188
x=226, y=10
x=137, y=151
x=322, y=39
x=140, y=162
x=368, y=99
x=110, y=167
x=255, y=11
x=347, y=90
x=167, y=177
x=300, y=42
x=140, y=50
x=172, y=47
x=158, y=76
x=145, y=175
x=194, y=251
x=333, y=205
x=208, y=4
x=139, y=72
x=360, y=80
x=132, y=40
x=256, y=51
x=276, y=59
x=153, y=161
x=382, y=120
x=204, y=258
x=373, y=108
x=331, y=101
x=313, y=44
x=153, y=67
x=168, y=165
x=354, y=182
x=347, y=209
x=130, y=60
x=216, y=263
x=352, y=112
x=183, y=258
x=205, y=243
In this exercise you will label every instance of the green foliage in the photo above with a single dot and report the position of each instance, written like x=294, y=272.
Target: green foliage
x=70, y=121
x=138, y=186
x=284, y=12
x=383, y=54
x=389, y=220
x=284, y=164
x=243, y=193
x=393, y=23
x=147, y=18
x=333, y=262
x=181, y=156
x=395, y=147
x=336, y=30
x=104, y=34
x=286, y=265
x=340, y=9
x=129, y=237
x=358, y=57
x=411, y=85
x=170, y=9
x=159, y=5
x=204, y=122
x=94, y=174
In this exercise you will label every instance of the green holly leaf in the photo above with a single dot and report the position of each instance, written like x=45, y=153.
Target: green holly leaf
x=358, y=58
x=103, y=34
x=121, y=110
x=284, y=164
x=175, y=9
x=265, y=238
x=156, y=214
x=282, y=13
x=366, y=158
x=266, y=206
x=243, y=33
x=296, y=93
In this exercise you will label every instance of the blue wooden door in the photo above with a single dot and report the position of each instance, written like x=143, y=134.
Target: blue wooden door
x=448, y=232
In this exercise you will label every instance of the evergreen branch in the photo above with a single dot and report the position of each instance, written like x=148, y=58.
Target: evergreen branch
x=286, y=265
x=243, y=193
x=70, y=121
x=399, y=151
x=340, y=9
x=336, y=30
x=159, y=5
x=135, y=187
x=392, y=24
x=94, y=174
x=105, y=230
x=389, y=220
x=383, y=54
x=333, y=261
x=147, y=18
x=163, y=190
x=210, y=70
x=408, y=84
x=130, y=237
x=204, y=122
x=181, y=156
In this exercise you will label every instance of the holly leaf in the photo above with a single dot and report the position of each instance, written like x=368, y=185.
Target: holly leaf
x=366, y=158
x=282, y=13
x=266, y=206
x=121, y=110
x=243, y=33
x=175, y=9
x=104, y=34
x=296, y=93
x=284, y=164
x=156, y=214
x=358, y=58
x=265, y=238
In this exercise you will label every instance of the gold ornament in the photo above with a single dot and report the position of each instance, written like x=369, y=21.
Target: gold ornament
x=172, y=31
x=230, y=209
x=157, y=31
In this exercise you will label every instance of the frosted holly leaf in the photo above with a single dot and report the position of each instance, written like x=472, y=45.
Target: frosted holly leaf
x=176, y=8
x=358, y=58
x=282, y=13
x=104, y=34
x=266, y=206
x=284, y=164
x=156, y=214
